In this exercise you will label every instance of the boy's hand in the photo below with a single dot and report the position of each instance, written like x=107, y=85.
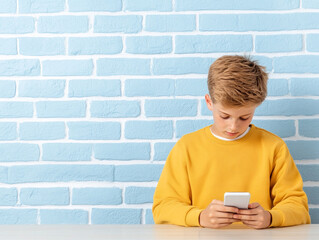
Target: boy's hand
x=216, y=215
x=255, y=216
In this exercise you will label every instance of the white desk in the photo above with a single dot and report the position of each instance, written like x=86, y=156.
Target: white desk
x=151, y=232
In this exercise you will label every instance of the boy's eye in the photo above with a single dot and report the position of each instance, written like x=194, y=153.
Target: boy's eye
x=224, y=117
x=243, y=119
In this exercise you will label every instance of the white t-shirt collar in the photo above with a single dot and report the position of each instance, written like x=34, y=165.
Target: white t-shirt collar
x=226, y=139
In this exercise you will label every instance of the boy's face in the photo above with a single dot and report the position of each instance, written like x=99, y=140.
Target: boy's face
x=230, y=122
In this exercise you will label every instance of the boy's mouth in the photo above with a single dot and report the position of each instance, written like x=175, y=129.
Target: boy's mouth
x=231, y=134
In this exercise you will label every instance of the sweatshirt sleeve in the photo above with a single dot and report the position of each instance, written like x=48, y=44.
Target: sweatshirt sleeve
x=172, y=197
x=290, y=203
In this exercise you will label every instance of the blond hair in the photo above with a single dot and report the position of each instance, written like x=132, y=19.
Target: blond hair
x=237, y=81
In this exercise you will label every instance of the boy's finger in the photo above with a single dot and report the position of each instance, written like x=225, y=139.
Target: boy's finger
x=228, y=209
x=253, y=205
x=218, y=202
x=252, y=211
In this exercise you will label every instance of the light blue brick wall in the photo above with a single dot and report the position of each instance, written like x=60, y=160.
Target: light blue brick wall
x=63, y=216
x=97, y=196
x=149, y=45
x=8, y=89
x=8, y=46
x=41, y=89
x=8, y=196
x=42, y=130
x=44, y=196
x=94, y=94
x=41, y=6
x=41, y=46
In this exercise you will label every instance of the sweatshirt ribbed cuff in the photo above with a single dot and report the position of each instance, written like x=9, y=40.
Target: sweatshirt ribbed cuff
x=192, y=217
x=276, y=218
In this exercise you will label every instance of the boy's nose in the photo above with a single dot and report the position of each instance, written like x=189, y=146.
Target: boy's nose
x=233, y=126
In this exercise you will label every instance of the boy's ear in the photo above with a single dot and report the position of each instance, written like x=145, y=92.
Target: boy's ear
x=209, y=102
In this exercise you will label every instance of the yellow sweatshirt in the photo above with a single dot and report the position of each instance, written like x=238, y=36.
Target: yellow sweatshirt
x=201, y=168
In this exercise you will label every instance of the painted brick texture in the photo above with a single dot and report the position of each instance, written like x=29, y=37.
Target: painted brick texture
x=94, y=94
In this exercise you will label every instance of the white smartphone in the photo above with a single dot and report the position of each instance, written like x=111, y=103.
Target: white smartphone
x=237, y=199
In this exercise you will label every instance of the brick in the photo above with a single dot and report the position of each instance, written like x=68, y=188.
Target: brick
x=58, y=173
x=122, y=151
x=33, y=46
x=191, y=87
x=149, y=87
x=310, y=4
x=8, y=196
x=97, y=196
x=115, y=109
x=296, y=64
x=189, y=5
x=94, y=130
x=95, y=45
x=312, y=194
x=63, y=24
x=309, y=128
x=282, y=128
x=311, y=42
x=61, y=109
x=162, y=149
x=304, y=149
x=149, y=44
x=118, y=24
x=170, y=23
x=171, y=108
x=67, y=152
x=41, y=6
x=16, y=25
x=304, y=86
x=8, y=131
x=213, y=43
x=116, y=216
x=44, y=196
x=95, y=5
x=139, y=195
x=67, y=67
x=42, y=130
x=8, y=6
x=258, y=22
x=41, y=88
x=123, y=66
x=279, y=43
x=149, y=217
x=19, y=152
x=18, y=216
x=63, y=216
x=94, y=88
x=8, y=46
x=149, y=129
x=177, y=66
x=3, y=174
x=288, y=107
x=309, y=172
x=314, y=215
x=187, y=126
x=20, y=67
x=151, y=5
x=138, y=173
x=277, y=87
x=8, y=89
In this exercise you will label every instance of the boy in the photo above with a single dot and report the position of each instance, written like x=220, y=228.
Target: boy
x=231, y=155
